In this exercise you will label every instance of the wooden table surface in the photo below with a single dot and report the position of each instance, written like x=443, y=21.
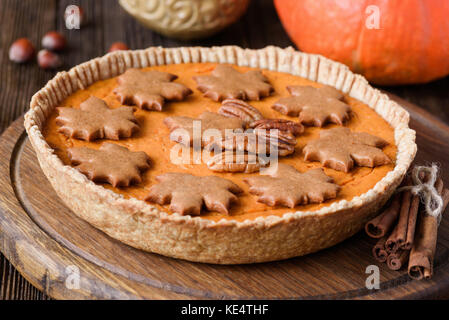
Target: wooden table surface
x=108, y=23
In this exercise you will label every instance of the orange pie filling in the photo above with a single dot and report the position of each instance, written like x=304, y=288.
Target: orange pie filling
x=153, y=139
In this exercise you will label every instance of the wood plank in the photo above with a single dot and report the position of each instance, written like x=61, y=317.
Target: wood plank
x=18, y=83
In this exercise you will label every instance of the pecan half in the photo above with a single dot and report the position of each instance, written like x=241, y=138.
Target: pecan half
x=240, y=109
x=258, y=141
x=284, y=141
x=229, y=161
x=294, y=128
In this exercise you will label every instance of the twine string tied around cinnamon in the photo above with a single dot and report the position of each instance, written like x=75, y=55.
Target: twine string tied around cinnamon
x=425, y=189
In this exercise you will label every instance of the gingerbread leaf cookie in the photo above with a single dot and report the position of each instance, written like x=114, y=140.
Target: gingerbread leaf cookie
x=207, y=122
x=287, y=187
x=112, y=164
x=187, y=193
x=94, y=120
x=149, y=89
x=340, y=149
x=227, y=83
x=314, y=106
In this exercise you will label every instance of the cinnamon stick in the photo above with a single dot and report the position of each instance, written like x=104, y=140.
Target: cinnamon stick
x=399, y=234
x=379, y=226
x=397, y=259
x=404, y=233
x=379, y=252
x=411, y=223
x=421, y=257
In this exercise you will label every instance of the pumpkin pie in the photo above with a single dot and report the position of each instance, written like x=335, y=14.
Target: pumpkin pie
x=283, y=153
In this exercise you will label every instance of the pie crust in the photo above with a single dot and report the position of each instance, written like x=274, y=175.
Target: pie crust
x=142, y=225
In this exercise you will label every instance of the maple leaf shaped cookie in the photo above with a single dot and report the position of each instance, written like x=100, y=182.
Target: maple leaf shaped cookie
x=149, y=89
x=207, y=120
x=287, y=187
x=314, y=106
x=340, y=148
x=227, y=83
x=94, y=120
x=187, y=193
x=112, y=163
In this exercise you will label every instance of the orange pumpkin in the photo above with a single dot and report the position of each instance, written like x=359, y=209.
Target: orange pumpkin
x=390, y=42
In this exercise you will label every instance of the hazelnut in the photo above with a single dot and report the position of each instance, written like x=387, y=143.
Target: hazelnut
x=116, y=46
x=48, y=60
x=54, y=41
x=22, y=50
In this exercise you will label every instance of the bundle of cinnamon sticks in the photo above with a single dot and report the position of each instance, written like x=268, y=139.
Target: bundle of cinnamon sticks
x=406, y=232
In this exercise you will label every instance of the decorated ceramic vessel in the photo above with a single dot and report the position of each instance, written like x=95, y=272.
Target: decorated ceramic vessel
x=186, y=19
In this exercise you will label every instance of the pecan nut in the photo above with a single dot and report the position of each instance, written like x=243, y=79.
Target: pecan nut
x=282, y=141
x=239, y=141
x=294, y=128
x=240, y=109
x=229, y=161
x=258, y=141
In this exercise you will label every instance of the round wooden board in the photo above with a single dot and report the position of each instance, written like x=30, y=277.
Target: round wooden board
x=44, y=240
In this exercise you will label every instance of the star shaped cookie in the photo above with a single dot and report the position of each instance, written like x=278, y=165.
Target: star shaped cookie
x=341, y=149
x=314, y=106
x=288, y=187
x=210, y=121
x=112, y=164
x=149, y=89
x=94, y=120
x=187, y=194
x=227, y=83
